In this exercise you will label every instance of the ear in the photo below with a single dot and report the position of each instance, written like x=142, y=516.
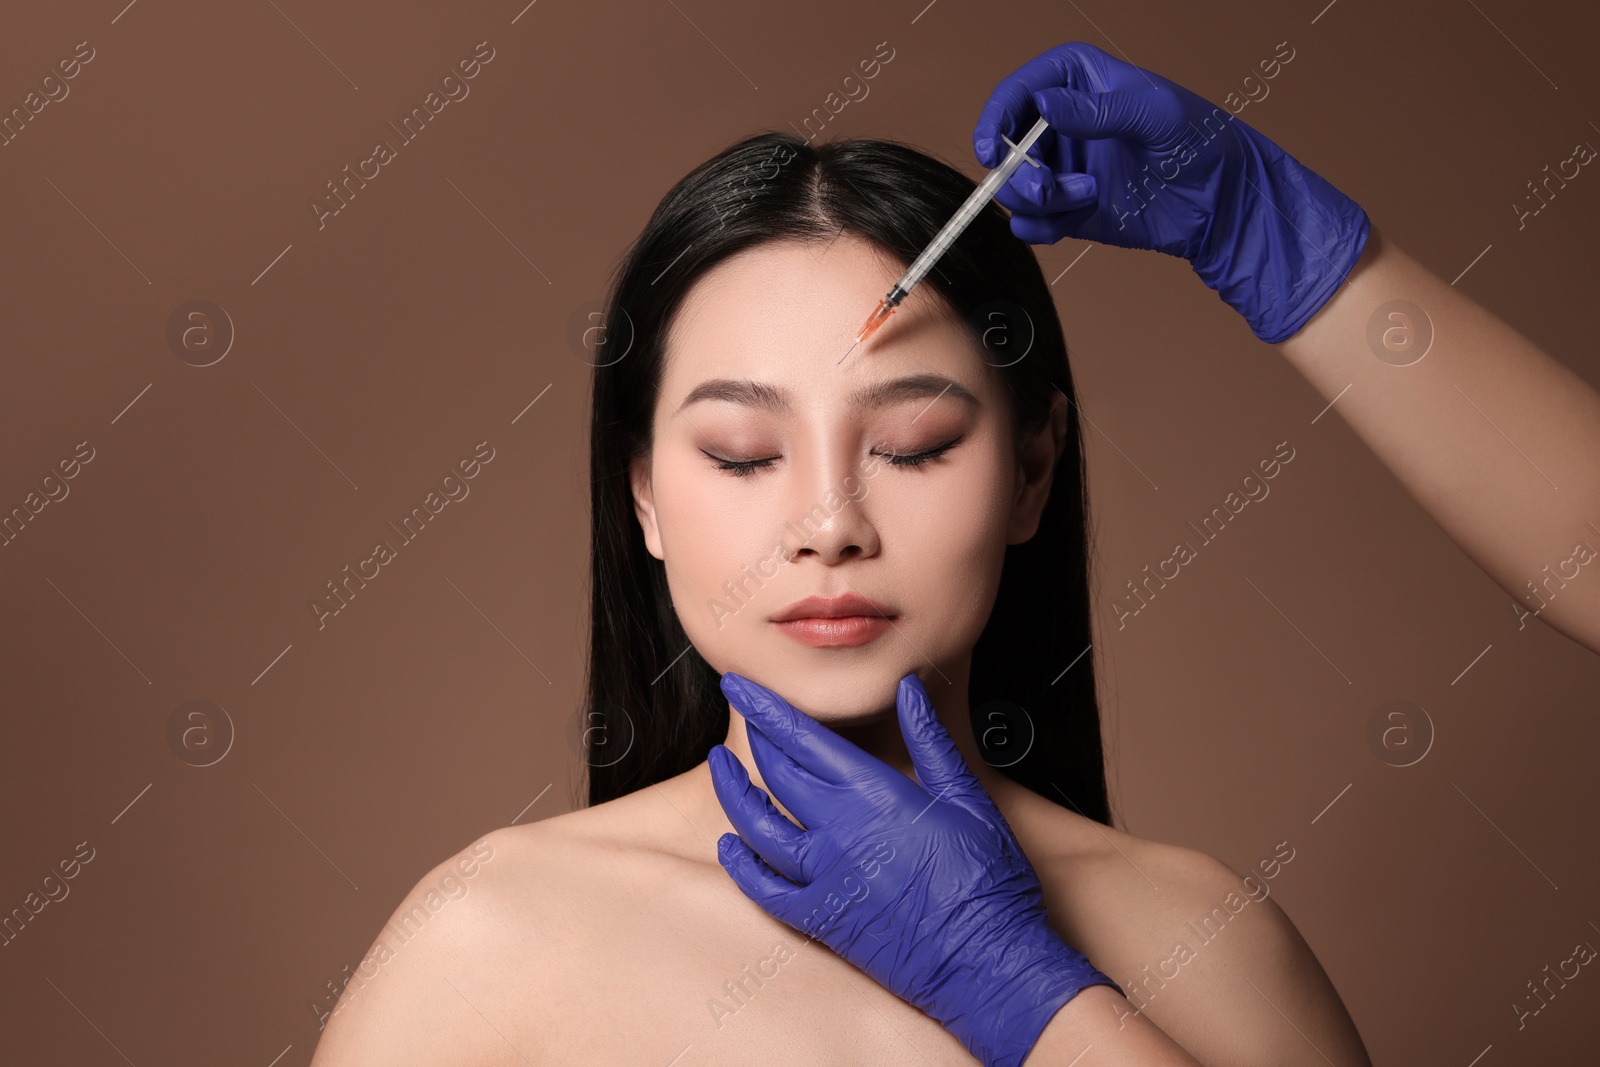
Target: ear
x=644, y=504
x=1036, y=468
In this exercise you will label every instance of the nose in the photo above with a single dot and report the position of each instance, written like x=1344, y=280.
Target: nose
x=831, y=519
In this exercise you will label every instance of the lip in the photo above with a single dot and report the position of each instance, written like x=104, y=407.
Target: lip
x=843, y=606
x=845, y=631
x=844, y=621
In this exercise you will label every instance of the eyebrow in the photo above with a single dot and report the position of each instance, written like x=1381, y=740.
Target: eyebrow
x=877, y=395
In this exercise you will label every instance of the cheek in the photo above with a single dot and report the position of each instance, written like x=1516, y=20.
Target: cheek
x=947, y=535
x=949, y=545
x=710, y=534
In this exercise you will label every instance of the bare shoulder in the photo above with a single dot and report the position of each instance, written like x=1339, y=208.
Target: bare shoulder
x=1204, y=952
x=451, y=972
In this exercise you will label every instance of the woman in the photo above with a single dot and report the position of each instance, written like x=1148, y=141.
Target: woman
x=739, y=469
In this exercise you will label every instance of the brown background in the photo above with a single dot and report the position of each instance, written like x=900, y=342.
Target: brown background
x=426, y=316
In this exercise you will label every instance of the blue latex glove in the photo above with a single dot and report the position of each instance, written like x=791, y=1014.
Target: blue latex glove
x=923, y=887
x=1131, y=159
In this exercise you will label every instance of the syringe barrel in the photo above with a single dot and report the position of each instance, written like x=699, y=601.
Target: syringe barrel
x=969, y=210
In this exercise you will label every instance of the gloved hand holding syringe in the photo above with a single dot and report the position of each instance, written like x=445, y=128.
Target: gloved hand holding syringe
x=947, y=236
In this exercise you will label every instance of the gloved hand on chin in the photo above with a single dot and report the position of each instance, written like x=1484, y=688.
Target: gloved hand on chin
x=922, y=886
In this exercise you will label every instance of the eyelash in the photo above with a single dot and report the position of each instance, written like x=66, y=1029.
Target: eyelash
x=747, y=467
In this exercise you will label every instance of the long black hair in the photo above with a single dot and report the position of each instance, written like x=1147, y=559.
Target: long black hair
x=650, y=713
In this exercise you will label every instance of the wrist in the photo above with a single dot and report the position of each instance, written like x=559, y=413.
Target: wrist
x=1096, y=1015
x=1024, y=985
x=1289, y=240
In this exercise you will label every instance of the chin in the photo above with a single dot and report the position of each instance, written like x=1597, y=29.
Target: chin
x=840, y=687
x=844, y=708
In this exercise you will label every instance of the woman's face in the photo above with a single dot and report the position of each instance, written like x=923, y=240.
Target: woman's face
x=892, y=476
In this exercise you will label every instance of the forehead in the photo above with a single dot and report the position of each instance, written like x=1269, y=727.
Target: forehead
x=786, y=311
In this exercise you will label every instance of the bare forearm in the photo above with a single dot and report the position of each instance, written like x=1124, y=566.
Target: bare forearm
x=1499, y=442
x=1098, y=1020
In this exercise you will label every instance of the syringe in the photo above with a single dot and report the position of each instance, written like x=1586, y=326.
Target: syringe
x=953, y=229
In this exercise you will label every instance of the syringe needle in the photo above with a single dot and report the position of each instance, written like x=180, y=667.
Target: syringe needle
x=879, y=314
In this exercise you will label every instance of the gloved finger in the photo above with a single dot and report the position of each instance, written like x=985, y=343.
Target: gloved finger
x=1048, y=229
x=759, y=823
x=1038, y=191
x=1011, y=120
x=934, y=755
x=753, y=877
x=1152, y=117
x=826, y=911
x=813, y=800
x=811, y=744
x=1010, y=109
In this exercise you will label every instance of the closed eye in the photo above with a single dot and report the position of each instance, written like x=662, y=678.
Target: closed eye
x=917, y=459
x=741, y=468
